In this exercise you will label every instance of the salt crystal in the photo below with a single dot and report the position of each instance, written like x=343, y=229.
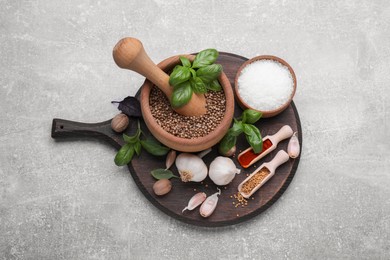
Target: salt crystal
x=265, y=85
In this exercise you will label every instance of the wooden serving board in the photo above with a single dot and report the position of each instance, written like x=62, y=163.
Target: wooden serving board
x=173, y=203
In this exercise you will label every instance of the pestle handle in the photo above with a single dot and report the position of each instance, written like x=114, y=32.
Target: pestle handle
x=129, y=53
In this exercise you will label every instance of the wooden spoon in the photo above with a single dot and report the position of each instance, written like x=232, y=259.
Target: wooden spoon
x=129, y=53
x=270, y=167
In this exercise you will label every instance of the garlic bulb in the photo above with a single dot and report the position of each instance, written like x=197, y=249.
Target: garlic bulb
x=293, y=147
x=222, y=170
x=191, y=167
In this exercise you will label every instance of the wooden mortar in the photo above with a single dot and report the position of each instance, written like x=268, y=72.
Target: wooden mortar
x=155, y=75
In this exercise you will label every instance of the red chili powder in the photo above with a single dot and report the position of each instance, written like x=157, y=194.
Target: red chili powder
x=246, y=158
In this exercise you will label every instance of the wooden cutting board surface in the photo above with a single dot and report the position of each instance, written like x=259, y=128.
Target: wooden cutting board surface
x=173, y=203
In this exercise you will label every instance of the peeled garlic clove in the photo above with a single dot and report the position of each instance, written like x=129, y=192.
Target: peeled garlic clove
x=293, y=147
x=222, y=170
x=195, y=201
x=191, y=167
x=171, y=156
x=209, y=205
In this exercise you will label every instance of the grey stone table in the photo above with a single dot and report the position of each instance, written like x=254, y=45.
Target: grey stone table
x=67, y=200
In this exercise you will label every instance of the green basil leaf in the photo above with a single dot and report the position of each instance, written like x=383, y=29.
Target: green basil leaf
x=176, y=67
x=186, y=62
x=137, y=147
x=197, y=85
x=253, y=137
x=179, y=75
x=236, y=129
x=181, y=95
x=132, y=139
x=209, y=72
x=243, y=118
x=193, y=72
x=204, y=58
x=154, y=147
x=250, y=116
x=227, y=142
x=163, y=174
x=214, y=85
x=124, y=155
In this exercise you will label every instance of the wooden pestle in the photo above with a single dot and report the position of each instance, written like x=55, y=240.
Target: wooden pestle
x=129, y=54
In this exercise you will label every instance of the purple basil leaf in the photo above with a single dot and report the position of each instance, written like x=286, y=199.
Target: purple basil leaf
x=129, y=106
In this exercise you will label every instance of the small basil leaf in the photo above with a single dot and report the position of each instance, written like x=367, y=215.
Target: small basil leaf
x=204, y=58
x=130, y=106
x=186, y=62
x=251, y=116
x=243, y=118
x=236, y=129
x=124, y=155
x=253, y=137
x=181, y=95
x=197, y=85
x=193, y=72
x=162, y=174
x=132, y=139
x=209, y=72
x=137, y=147
x=214, y=85
x=153, y=147
x=227, y=142
x=179, y=75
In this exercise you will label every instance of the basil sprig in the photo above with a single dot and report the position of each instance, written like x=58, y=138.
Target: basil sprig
x=243, y=124
x=134, y=144
x=198, y=77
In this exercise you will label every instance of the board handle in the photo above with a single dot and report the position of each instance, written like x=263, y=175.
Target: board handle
x=67, y=129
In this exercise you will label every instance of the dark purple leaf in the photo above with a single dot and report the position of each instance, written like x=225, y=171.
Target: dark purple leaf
x=129, y=106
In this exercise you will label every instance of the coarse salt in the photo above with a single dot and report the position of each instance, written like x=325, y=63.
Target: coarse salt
x=265, y=85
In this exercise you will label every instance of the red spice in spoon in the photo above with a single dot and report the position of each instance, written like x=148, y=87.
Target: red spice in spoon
x=246, y=158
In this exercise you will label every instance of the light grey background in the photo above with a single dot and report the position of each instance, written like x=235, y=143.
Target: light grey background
x=69, y=201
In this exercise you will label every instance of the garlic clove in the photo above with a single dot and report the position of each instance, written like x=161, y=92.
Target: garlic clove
x=191, y=167
x=222, y=170
x=171, y=157
x=229, y=153
x=209, y=205
x=293, y=148
x=204, y=153
x=195, y=201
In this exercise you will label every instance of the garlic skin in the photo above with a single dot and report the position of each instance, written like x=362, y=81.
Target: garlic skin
x=293, y=147
x=191, y=167
x=195, y=201
x=209, y=205
x=222, y=170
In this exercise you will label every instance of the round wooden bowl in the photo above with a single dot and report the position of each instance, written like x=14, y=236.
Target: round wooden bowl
x=266, y=113
x=185, y=144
